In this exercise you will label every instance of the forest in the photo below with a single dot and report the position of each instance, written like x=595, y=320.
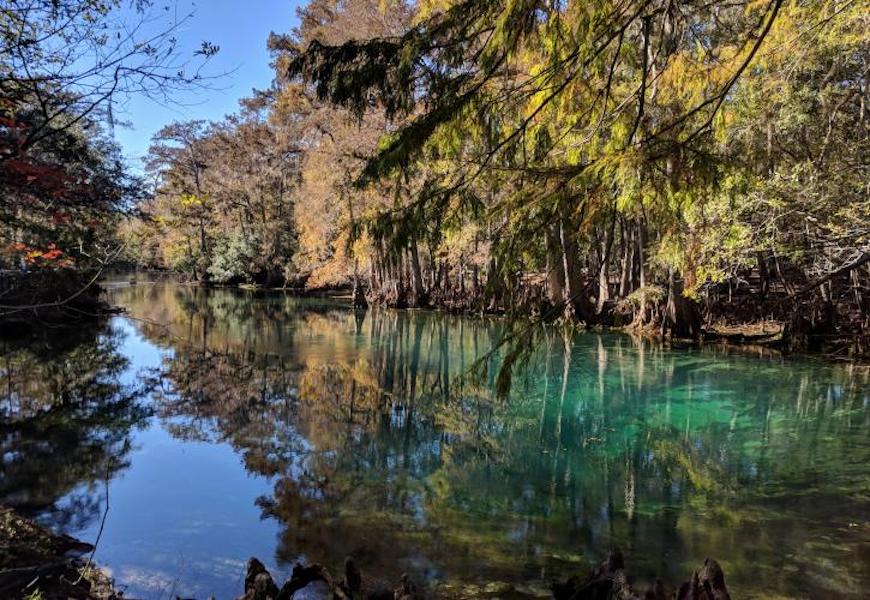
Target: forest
x=693, y=169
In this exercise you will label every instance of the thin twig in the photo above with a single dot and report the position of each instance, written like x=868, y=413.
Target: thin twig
x=87, y=566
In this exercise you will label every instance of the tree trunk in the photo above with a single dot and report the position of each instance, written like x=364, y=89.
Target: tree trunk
x=641, y=253
x=570, y=289
x=627, y=257
x=555, y=268
x=359, y=299
x=604, y=263
x=494, y=286
x=763, y=273
x=682, y=316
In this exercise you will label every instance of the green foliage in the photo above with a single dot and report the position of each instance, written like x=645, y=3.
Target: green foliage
x=676, y=125
x=222, y=208
x=233, y=256
x=651, y=295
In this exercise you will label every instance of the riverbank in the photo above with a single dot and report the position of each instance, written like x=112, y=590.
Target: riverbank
x=764, y=335
x=32, y=300
x=37, y=564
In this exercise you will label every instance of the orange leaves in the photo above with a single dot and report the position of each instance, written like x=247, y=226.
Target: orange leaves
x=51, y=256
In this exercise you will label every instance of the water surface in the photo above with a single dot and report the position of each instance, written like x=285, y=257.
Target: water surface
x=217, y=425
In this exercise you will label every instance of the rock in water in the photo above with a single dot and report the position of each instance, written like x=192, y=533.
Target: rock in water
x=304, y=576
x=608, y=582
x=604, y=582
x=316, y=590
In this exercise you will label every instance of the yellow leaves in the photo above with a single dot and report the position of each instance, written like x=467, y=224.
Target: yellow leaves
x=429, y=8
x=175, y=249
x=803, y=32
x=333, y=272
x=721, y=121
x=706, y=237
x=691, y=77
x=190, y=200
x=755, y=7
x=463, y=244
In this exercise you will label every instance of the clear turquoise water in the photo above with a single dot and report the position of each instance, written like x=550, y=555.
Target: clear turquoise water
x=225, y=424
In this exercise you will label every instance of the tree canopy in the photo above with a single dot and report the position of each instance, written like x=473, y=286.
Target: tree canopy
x=683, y=167
x=64, y=64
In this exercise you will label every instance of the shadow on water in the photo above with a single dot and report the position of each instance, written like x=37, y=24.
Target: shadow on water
x=375, y=447
x=66, y=421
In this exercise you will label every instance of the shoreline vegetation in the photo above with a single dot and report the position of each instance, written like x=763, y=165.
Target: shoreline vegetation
x=36, y=564
x=57, y=297
x=685, y=170
x=34, y=301
x=607, y=166
x=765, y=333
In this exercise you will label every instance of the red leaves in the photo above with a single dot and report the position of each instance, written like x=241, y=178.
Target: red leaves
x=51, y=256
x=64, y=218
x=36, y=178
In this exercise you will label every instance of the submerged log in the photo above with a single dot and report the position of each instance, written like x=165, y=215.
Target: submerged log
x=605, y=582
x=304, y=576
x=259, y=584
x=39, y=563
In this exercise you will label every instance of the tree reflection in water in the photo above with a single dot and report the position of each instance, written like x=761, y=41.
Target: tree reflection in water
x=376, y=449
x=66, y=421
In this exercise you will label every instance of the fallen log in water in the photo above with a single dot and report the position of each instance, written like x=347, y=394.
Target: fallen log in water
x=608, y=581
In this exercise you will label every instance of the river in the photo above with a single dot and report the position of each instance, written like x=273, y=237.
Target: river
x=221, y=424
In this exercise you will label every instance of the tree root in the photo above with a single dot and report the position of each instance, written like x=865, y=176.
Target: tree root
x=608, y=581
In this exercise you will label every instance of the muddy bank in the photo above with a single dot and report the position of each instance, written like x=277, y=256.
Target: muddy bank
x=38, y=564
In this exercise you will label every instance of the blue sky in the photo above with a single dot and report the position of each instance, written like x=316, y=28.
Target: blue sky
x=240, y=28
